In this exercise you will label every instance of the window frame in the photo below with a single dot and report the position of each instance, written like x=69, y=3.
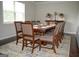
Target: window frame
x=14, y=13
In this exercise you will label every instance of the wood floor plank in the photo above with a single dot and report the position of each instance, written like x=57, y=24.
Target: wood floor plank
x=73, y=47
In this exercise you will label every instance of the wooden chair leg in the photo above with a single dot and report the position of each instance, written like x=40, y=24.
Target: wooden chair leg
x=17, y=41
x=31, y=42
x=60, y=38
x=23, y=45
x=53, y=47
x=33, y=47
x=57, y=43
x=39, y=45
x=26, y=43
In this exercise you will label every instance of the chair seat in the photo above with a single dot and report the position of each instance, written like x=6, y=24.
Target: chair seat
x=36, y=37
x=20, y=34
x=46, y=38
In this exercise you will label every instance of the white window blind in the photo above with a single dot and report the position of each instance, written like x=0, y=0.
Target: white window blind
x=13, y=11
x=20, y=11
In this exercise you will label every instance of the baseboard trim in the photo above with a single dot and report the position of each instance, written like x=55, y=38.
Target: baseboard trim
x=12, y=35
x=70, y=33
x=7, y=40
x=8, y=36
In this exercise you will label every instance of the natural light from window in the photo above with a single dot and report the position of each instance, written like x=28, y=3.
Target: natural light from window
x=13, y=11
x=20, y=11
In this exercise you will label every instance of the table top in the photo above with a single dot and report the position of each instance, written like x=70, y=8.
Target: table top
x=43, y=26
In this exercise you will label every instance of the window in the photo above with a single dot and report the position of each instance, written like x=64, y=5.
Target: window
x=19, y=11
x=13, y=11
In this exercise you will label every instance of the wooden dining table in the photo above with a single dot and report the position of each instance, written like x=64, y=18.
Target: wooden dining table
x=42, y=29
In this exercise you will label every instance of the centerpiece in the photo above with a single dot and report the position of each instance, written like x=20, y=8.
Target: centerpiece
x=49, y=16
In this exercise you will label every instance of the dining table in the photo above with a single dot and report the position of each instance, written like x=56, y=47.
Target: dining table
x=42, y=29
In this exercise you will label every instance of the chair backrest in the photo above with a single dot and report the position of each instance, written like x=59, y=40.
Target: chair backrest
x=27, y=29
x=18, y=26
x=56, y=32
x=63, y=26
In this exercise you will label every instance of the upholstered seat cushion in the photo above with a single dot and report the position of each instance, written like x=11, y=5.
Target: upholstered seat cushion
x=31, y=38
x=46, y=38
x=20, y=34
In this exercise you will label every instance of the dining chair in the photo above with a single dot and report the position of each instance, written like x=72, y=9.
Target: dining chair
x=28, y=36
x=51, y=39
x=18, y=30
x=61, y=31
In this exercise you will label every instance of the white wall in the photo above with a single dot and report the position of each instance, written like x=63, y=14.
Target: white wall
x=30, y=10
x=8, y=30
x=70, y=9
x=78, y=16
x=5, y=29
x=77, y=31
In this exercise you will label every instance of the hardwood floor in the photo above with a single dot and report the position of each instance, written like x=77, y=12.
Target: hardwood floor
x=7, y=40
x=73, y=47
